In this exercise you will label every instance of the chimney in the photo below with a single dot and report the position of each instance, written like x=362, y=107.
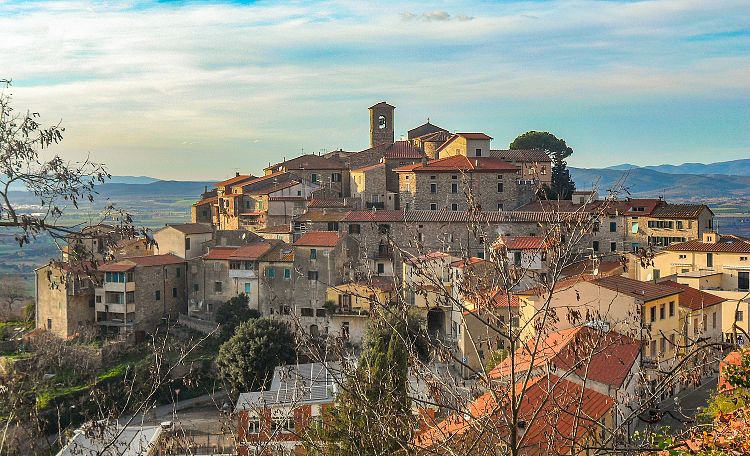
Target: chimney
x=236, y=174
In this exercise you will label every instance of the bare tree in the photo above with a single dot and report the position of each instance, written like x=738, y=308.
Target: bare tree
x=12, y=291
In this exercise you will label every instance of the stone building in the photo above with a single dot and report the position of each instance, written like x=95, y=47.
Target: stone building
x=654, y=222
x=381, y=124
x=137, y=293
x=535, y=164
x=323, y=172
x=321, y=259
x=185, y=240
x=368, y=185
x=428, y=138
x=444, y=184
x=64, y=299
x=471, y=145
x=206, y=210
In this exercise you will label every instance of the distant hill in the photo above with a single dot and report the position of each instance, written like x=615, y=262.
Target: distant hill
x=180, y=189
x=132, y=180
x=734, y=167
x=648, y=182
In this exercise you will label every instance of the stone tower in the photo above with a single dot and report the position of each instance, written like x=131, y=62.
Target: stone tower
x=381, y=124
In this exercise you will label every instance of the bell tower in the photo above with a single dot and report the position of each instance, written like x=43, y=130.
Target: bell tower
x=381, y=124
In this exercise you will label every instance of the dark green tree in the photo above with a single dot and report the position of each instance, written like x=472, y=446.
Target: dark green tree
x=233, y=312
x=372, y=415
x=246, y=361
x=562, y=185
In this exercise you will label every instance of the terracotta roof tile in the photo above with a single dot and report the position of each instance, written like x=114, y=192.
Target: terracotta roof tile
x=310, y=162
x=211, y=200
x=148, y=260
x=461, y=163
x=646, y=291
x=276, y=229
x=426, y=128
x=235, y=180
x=694, y=299
x=522, y=242
x=318, y=239
x=402, y=150
x=521, y=155
x=190, y=228
x=725, y=244
x=687, y=211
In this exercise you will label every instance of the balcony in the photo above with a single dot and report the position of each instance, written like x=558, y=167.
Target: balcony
x=383, y=253
x=375, y=204
x=242, y=274
x=115, y=307
x=351, y=312
x=119, y=287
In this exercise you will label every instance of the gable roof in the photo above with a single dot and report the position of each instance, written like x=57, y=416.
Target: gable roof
x=426, y=128
x=603, y=357
x=646, y=291
x=694, y=299
x=147, y=260
x=557, y=411
x=190, y=228
x=382, y=104
x=209, y=200
x=521, y=155
x=235, y=180
x=725, y=243
x=461, y=163
x=310, y=162
x=251, y=252
x=402, y=150
x=522, y=242
x=679, y=210
x=318, y=239
x=478, y=136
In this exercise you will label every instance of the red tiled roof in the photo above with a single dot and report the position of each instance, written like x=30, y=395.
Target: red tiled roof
x=605, y=268
x=646, y=291
x=523, y=242
x=318, y=239
x=190, y=228
x=276, y=229
x=369, y=168
x=210, y=200
x=686, y=211
x=427, y=257
x=603, y=357
x=556, y=412
x=402, y=150
x=322, y=215
x=726, y=243
x=374, y=216
x=252, y=252
x=326, y=203
x=466, y=262
x=461, y=163
x=234, y=180
x=474, y=135
x=694, y=299
x=148, y=260
x=499, y=298
x=310, y=162
x=272, y=188
x=219, y=253
x=425, y=129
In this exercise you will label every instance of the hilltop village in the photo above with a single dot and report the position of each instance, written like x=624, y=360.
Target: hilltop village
x=323, y=241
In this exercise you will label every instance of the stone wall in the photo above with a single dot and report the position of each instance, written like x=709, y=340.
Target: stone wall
x=172, y=294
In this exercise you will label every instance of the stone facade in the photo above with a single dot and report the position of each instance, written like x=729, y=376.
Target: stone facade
x=184, y=240
x=381, y=124
x=64, y=301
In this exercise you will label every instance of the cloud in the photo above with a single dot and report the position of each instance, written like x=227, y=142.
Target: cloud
x=250, y=82
x=437, y=16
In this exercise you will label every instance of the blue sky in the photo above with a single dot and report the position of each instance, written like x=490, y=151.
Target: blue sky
x=193, y=90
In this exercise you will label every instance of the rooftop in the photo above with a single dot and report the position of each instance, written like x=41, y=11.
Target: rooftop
x=646, y=291
x=190, y=228
x=318, y=239
x=145, y=261
x=460, y=163
x=694, y=299
x=521, y=155
x=726, y=243
x=235, y=180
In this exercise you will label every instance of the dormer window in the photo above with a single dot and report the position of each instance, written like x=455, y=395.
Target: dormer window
x=478, y=152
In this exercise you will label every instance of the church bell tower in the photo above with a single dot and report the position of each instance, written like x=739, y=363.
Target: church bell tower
x=381, y=124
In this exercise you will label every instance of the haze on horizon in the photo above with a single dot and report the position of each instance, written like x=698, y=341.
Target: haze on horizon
x=192, y=90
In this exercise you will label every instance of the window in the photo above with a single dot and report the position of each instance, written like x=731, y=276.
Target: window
x=157, y=295
x=596, y=227
x=49, y=323
x=454, y=177
x=743, y=280
x=612, y=227
x=478, y=152
x=662, y=312
x=354, y=228
x=187, y=243
x=653, y=313
x=499, y=206
x=710, y=260
x=432, y=177
x=660, y=224
x=680, y=224
x=739, y=316
x=98, y=299
x=248, y=287
x=282, y=424
x=307, y=312
x=384, y=228
x=663, y=345
x=196, y=287
x=420, y=237
x=454, y=207
x=499, y=187
x=743, y=258
x=178, y=272
x=218, y=287
x=345, y=330
x=320, y=312
x=336, y=177
x=333, y=226
x=454, y=188
x=713, y=320
x=613, y=246
x=671, y=308
x=287, y=273
x=253, y=425
x=595, y=246
x=381, y=268
x=672, y=345
x=270, y=272
x=313, y=254
x=129, y=277
x=653, y=348
x=314, y=177
x=174, y=292
x=312, y=275
x=433, y=206
x=657, y=274
x=433, y=188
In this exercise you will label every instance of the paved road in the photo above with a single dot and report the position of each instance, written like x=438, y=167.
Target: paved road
x=679, y=410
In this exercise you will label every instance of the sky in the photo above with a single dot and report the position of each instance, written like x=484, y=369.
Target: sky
x=193, y=90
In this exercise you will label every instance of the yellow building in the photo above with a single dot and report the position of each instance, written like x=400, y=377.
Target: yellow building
x=350, y=305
